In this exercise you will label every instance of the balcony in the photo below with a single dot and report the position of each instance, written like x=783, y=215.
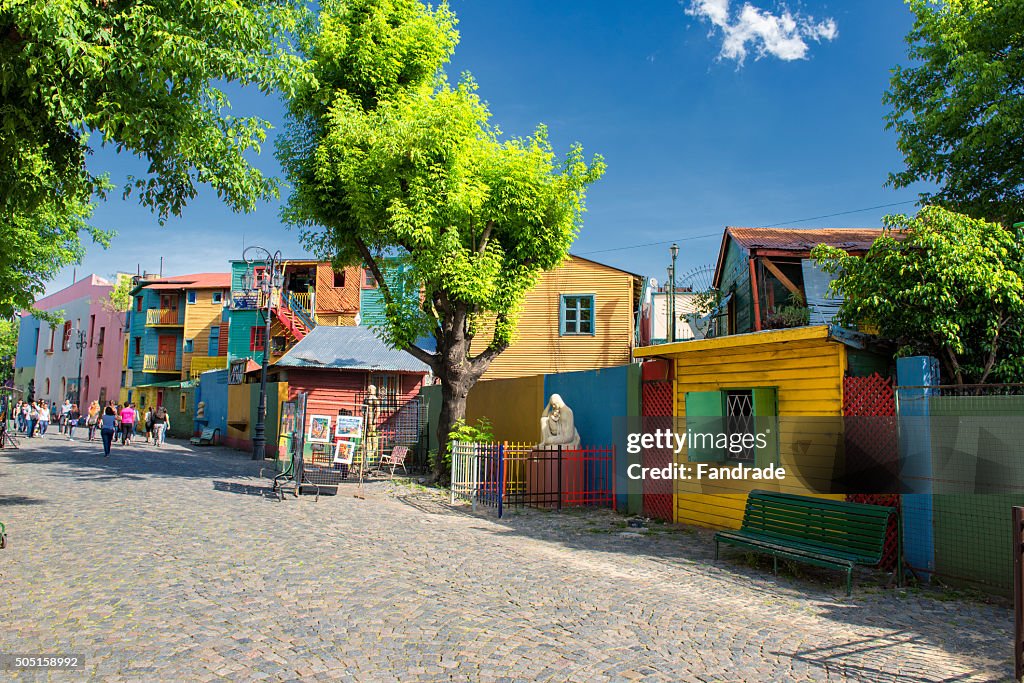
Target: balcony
x=161, y=364
x=164, y=317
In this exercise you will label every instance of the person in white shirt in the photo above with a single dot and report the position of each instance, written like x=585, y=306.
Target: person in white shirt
x=44, y=419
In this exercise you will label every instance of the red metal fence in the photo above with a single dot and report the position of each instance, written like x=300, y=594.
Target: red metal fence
x=873, y=442
x=657, y=412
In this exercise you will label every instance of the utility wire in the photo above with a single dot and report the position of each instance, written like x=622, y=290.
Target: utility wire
x=773, y=225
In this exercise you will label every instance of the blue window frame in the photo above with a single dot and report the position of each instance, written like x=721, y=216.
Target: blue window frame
x=214, y=348
x=576, y=315
x=188, y=346
x=190, y=296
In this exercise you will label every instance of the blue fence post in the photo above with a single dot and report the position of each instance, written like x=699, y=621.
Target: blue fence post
x=501, y=476
x=920, y=374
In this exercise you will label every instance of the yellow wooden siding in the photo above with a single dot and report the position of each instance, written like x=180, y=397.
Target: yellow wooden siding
x=808, y=375
x=539, y=348
x=199, y=318
x=512, y=405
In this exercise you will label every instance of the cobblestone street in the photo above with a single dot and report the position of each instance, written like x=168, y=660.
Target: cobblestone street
x=178, y=564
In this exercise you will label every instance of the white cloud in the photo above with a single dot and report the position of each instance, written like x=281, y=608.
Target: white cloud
x=783, y=35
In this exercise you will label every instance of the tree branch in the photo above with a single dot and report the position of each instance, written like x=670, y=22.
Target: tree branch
x=486, y=236
x=371, y=263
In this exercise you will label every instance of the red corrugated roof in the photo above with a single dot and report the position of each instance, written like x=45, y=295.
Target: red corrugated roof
x=797, y=240
x=805, y=239
x=193, y=281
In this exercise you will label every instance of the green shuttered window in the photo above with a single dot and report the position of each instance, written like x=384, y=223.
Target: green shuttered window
x=724, y=426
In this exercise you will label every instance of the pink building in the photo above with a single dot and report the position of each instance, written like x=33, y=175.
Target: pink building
x=91, y=337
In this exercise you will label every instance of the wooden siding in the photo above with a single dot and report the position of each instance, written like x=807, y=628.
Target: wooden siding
x=328, y=391
x=807, y=369
x=736, y=278
x=331, y=299
x=540, y=349
x=199, y=318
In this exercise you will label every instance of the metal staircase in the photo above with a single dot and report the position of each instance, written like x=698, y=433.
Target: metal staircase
x=295, y=319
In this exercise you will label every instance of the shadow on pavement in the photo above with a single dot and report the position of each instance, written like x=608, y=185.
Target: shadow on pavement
x=85, y=460
x=246, y=489
x=20, y=500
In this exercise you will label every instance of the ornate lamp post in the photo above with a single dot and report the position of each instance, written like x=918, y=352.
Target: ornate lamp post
x=80, y=344
x=267, y=285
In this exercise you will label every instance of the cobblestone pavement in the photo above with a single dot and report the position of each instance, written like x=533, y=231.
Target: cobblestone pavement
x=178, y=564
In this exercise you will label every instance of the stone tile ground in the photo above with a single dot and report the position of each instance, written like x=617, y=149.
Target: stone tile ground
x=178, y=565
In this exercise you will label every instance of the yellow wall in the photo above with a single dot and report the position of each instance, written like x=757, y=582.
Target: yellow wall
x=539, y=349
x=199, y=318
x=806, y=368
x=512, y=405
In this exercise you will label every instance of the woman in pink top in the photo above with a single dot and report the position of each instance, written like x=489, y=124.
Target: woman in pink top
x=127, y=423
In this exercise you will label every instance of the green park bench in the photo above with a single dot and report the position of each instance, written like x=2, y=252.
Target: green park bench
x=816, y=531
x=208, y=437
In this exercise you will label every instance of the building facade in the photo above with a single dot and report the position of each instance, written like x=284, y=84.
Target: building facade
x=312, y=293
x=580, y=316
x=175, y=331
x=85, y=344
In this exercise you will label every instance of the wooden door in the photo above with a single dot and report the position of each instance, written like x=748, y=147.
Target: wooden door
x=167, y=352
x=159, y=397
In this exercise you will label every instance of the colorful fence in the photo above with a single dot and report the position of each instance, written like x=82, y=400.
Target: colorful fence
x=516, y=474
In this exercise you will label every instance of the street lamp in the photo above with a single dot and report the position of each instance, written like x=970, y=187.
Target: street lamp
x=273, y=280
x=80, y=344
x=674, y=250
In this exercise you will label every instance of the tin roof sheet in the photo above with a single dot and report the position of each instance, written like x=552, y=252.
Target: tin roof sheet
x=348, y=348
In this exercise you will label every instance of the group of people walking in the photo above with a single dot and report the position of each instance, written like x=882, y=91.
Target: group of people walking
x=113, y=420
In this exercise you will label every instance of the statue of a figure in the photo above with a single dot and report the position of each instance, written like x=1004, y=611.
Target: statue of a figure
x=557, y=427
x=201, y=410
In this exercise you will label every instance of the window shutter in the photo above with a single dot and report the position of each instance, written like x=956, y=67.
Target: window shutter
x=705, y=411
x=766, y=421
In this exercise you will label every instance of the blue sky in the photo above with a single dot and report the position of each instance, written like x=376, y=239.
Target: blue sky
x=708, y=113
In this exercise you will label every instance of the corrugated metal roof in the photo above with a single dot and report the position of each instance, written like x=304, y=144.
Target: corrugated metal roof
x=348, y=348
x=805, y=239
x=193, y=281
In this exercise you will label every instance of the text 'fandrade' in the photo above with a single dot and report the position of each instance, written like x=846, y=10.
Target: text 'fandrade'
x=706, y=471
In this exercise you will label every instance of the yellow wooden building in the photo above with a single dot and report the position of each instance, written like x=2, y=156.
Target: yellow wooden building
x=579, y=316
x=792, y=380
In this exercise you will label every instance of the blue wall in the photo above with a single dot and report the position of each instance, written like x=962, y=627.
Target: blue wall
x=371, y=303
x=27, y=337
x=213, y=390
x=600, y=399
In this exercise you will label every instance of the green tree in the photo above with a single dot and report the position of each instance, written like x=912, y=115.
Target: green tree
x=941, y=284
x=395, y=168
x=958, y=110
x=143, y=77
x=8, y=348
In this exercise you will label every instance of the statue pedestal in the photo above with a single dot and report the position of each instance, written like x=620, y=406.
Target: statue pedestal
x=555, y=479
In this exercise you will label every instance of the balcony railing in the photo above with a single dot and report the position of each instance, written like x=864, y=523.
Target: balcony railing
x=163, y=316
x=161, y=364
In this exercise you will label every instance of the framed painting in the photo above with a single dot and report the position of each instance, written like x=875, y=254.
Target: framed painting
x=319, y=428
x=345, y=451
x=348, y=427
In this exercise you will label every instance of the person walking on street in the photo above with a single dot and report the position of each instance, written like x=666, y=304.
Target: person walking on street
x=33, y=419
x=108, y=427
x=44, y=418
x=160, y=425
x=71, y=419
x=149, y=425
x=92, y=419
x=127, y=424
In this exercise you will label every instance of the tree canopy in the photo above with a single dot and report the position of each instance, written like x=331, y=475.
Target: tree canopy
x=941, y=284
x=388, y=159
x=958, y=108
x=144, y=77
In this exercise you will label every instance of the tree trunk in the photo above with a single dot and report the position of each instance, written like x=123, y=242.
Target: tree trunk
x=453, y=409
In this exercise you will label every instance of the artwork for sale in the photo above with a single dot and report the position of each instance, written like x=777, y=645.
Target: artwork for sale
x=344, y=451
x=320, y=428
x=348, y=427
